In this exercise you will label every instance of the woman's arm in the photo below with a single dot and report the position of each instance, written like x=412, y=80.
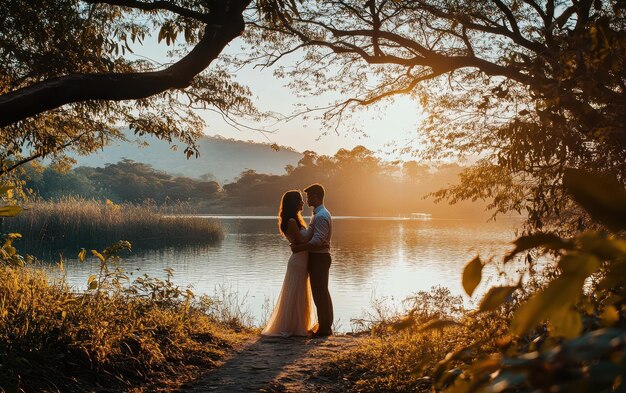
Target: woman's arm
x=309, y=235
x=293, y=231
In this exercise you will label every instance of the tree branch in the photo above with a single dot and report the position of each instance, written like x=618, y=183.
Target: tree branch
x=404, y=90
x=509, y=16
x=156, y=5
x=53, y=93
x=38, y=155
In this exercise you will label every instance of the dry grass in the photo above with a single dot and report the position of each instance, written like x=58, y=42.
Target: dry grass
x=150, y=335
x=76, y=222
x=401, y=357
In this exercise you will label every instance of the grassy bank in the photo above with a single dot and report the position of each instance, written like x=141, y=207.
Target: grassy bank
x=76, y=222
x=401, y=356
x=563, y=329
x=142, y=336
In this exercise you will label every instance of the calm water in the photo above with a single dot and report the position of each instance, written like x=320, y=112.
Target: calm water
x=372, y=258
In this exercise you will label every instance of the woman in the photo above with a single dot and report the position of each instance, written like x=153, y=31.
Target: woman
x=294, y=314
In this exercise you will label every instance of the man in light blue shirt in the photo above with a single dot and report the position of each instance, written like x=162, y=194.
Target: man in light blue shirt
x=319, y=257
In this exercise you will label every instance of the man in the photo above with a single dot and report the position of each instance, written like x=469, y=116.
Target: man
x=319, y=258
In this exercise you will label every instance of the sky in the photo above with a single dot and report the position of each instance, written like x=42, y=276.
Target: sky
x=396, y=123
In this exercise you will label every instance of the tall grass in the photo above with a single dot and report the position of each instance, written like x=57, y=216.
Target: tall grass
x=148, y=335
x=401, y=356
x=77, y=222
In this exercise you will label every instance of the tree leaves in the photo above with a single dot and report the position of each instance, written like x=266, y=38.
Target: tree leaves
x=74, y=39
x=92, y=282
x=603, y=197
x=99, y=256
x=10, y=211
x=496, y=297
x=609, y=316
x=535, y=240
x=566, y=323
x=472, y=275
x=561, y=294
x=5, y=188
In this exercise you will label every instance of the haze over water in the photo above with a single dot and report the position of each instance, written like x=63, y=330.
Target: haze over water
x=379, y=258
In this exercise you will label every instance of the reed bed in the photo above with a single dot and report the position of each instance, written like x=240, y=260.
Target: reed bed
x=77, y=222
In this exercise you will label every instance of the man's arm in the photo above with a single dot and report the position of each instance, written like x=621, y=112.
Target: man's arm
x=319, y=240
x=306, y=247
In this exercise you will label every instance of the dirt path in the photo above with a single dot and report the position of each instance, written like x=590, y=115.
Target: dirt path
x=274, y=365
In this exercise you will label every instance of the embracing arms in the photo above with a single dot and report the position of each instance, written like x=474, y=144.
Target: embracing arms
x=293, y=232
x=316, y=243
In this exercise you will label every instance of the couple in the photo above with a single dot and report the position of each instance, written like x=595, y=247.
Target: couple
x=307, y=269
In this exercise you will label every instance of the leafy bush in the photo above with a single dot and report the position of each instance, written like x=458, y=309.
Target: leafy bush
x=116, y=335
x=561, y=329
x=404, y=351
x=570, y=334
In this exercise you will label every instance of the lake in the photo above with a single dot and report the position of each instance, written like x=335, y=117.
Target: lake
x=373, y=258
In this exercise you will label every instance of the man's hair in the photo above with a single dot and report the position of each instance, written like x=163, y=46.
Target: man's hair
x=315, y=189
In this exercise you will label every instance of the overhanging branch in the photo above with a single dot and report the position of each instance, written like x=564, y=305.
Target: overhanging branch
x=53, y=93
x=156, y=5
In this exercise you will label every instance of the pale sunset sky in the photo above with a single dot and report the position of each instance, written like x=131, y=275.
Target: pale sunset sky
x=397, y=121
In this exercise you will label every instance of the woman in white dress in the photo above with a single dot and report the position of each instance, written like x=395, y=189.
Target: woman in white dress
x=294, y=313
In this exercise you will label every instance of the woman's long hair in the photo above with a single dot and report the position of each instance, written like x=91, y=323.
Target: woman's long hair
x=290, y=208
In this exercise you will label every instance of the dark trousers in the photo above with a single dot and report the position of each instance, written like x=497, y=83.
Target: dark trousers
x=319, y=265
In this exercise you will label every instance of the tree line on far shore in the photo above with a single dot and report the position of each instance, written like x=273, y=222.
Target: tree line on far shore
x=357, y=181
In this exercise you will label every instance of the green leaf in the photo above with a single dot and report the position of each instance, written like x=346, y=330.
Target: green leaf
x=5, y=189
x=566, y=324
x=10, y=250
x=579, y=264
x=602, y=246
x=10, y=237
x=547, y=240
x=10, y=211
x=603, y=197
x=495, y=297
x=99, y=256
x=609, y=316
x=559, y=295
x=472, y=275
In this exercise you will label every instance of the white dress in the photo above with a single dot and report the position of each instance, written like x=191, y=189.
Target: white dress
x=294, y=313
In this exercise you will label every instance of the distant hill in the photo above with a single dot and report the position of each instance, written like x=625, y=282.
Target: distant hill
x=220, y=158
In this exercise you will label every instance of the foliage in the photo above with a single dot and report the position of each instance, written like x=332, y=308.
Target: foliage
x=6, y=192
x=402, y=357
x=125, y=181
x=567, y=334
x=584, y=322
x=116, y=335
x=358, y=182
x=529, y=87
x=48, y=44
